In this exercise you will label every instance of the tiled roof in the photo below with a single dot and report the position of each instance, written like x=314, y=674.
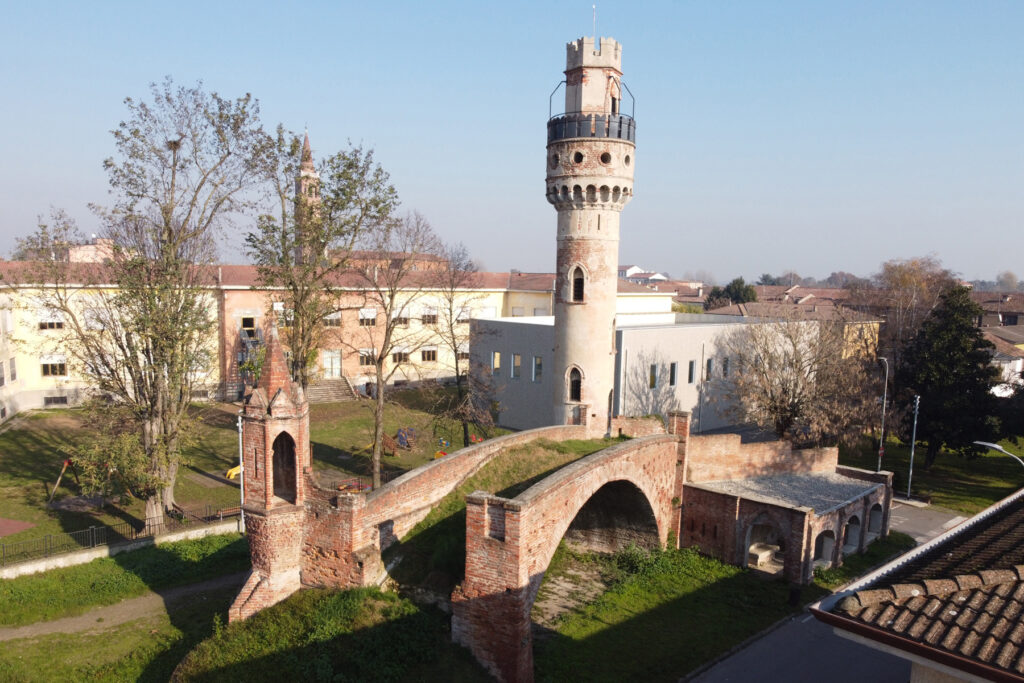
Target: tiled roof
x=793, y=310
x=1003, y=347
x=958, y=602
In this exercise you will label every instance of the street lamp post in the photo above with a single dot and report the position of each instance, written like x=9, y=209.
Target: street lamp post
x=997, y=447
x=913, y=442
x=885, y=390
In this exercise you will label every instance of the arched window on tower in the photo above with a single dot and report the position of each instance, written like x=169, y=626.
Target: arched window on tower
x=575, y=385
x=577, y=285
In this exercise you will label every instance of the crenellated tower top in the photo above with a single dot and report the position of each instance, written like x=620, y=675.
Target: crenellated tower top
x=602, y=52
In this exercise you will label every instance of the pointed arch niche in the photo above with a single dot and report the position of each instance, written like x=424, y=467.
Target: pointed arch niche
x=284, y=467
x=577, y=281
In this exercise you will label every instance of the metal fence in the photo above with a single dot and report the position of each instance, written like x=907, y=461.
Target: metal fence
x=110, y=534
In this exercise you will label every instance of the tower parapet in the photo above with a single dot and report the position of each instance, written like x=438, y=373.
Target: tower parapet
x=591, y=155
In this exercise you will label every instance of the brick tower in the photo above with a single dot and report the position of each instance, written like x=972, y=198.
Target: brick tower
x=276, y=458
x=589, y=179
x=307, y=201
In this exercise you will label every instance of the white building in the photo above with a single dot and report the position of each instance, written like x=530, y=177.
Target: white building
x=663, y=362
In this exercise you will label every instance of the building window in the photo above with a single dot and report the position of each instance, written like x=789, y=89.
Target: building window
x=709, y=370
x=538, y=368
x=2, y=379
x=540, y=311
x=400, y=357
x=51, y=324
x=367, y=317
x=429, y=355
x=14, y=371
x=333, y=319
x=725, y=367
x=517, y=366
x=366, y=357
x=672, y=374
x=463, y=351
x=249, y=327
x=577, y=285
x=652, y=377
x=518, y=311
x=401, y=319
x=429, y=315
x=285, y=317
x=575, y=385
x=55, y=401
x=495, y=362
x=1010, y=319
x=692, y=372
x=54, y=366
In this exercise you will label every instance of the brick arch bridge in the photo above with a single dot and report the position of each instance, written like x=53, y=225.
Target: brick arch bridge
x=627, y=493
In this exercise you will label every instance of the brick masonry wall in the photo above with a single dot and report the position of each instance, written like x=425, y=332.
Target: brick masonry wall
x=718, y=457
x=509, y=544
x=636, y=427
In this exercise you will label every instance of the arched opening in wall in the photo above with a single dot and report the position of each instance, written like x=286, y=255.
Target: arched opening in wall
x=284, y=467
x=874, y=522
x=617, y=516
x=766, y=546
x=606, y=193
x=575, y=385
x=577, y=193
x=824, y=544
x=577, y=285
x=851, y=535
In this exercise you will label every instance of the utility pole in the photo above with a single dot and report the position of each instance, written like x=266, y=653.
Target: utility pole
x=913, y=442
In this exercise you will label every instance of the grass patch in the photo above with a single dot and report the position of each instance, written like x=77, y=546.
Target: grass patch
x=967, y=485
x=147, y=649
x=359, y=634
x=73, y=590
x=858, y=564
x=665, y=613
x=434, y=552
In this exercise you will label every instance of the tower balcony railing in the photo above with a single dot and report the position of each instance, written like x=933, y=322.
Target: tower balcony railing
x=614, y=126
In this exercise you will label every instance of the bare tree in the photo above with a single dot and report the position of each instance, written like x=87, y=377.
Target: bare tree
x=456, y=282
x=186, y=161
x=903, y=292
x=804, y=380
x=390, y=274
x=302, y=250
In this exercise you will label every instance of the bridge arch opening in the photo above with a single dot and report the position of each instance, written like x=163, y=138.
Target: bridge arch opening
x=616, y=516
x=766, y=545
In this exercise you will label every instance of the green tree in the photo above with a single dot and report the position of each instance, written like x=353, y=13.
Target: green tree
x=186, y=161
x=948, y=364
x=736, y=292
x=302, y=249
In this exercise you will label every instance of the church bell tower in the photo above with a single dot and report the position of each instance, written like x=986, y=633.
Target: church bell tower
x=590, y=159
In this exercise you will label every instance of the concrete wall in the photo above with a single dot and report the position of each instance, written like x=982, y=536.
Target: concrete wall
x=524, y=403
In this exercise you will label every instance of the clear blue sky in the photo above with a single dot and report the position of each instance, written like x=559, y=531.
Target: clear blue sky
x=814, y=136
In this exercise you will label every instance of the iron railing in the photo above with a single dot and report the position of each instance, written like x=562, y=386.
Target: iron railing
x=110, y=534
x=615, y=126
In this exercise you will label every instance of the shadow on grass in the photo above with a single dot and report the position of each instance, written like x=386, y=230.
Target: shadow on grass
x=321, y=635
x=628, y=641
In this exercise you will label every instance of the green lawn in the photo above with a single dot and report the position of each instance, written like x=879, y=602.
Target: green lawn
x=856, y=565
x=666, y=613
x=73, y=590
x=355, y=635
x=32, y=452
x=967, y=485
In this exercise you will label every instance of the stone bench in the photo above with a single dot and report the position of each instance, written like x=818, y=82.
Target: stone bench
x=761, y=553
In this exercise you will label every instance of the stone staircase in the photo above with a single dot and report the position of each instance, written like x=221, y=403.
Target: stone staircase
x=331, y=391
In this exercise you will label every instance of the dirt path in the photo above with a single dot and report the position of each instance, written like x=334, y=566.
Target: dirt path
x=568, y=591
x=127, y=610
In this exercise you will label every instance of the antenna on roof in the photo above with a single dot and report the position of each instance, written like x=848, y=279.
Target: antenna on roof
x=595, y=20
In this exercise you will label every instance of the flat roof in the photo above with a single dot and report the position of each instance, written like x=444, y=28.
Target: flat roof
x=821, y=492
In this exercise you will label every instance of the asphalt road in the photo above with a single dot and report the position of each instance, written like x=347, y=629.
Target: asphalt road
x=804, y=650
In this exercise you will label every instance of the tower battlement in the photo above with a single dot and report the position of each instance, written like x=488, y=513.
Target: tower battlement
x=604, y=52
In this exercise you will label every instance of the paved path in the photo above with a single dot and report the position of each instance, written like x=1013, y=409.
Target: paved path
x=126, y=610
x=804, y=650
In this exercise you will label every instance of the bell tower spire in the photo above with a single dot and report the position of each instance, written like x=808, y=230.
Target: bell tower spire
x=307, y=201
x=590, y=158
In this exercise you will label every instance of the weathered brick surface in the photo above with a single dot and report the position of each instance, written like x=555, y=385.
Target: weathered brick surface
x=509, y=543
x=717, y=457
x=637, y=427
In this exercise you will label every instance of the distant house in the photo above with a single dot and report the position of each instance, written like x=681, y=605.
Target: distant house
x=1009, y=359
x=999, y=308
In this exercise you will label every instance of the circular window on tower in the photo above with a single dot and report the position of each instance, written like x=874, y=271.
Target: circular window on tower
x=606, y=158
x=626, y=160
x=577, y=157
x=554, y=161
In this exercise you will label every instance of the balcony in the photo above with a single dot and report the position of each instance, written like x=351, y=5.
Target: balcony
x=612, y=126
